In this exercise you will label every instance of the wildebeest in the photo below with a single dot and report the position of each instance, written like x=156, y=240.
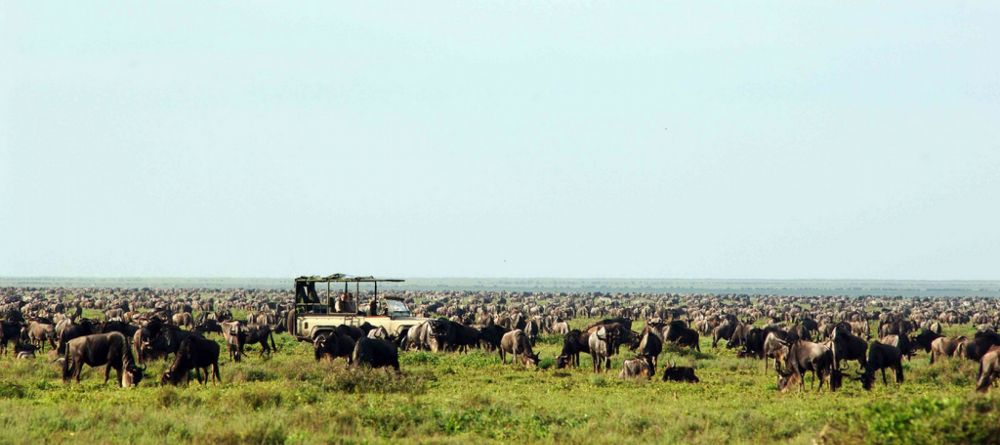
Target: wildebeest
x=516, y=342
x=39, y=332
x=679, y=374
x=95, y=350
x=980, y=344
x=68, y=330
x=574, y=342
x=679, y=333
x=649, y=346
x=601, y=344
x=902, y=341
x=257, y=333
x=724, y=331
x=197, y=353
x=804, y=356
x=989, y=369
x=847, y=346
x=490, y=336
x=333, y=345
x=945, y=346
x=375, y=353
x=10, y=332
x=880, y=357
x=636, y=367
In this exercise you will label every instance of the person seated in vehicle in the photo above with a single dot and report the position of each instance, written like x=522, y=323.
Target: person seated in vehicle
x=373, y=307
x=346, y=303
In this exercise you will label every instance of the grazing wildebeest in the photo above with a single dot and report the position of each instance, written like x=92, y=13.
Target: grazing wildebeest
x=464, y=337
x=636, y=367
x=197, y=353
x=945, y=346
x=880, y=357
x=601, y=345
x=925, y=338
x=10, y=332
x=679, y=374
x=333, y=345
x=574, y=342
x=95, y=350
x=516, y=342
x=375, y=353
x=989, y=369
x=847, y=346
x=804, y=356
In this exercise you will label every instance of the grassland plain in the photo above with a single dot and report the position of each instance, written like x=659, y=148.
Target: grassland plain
x=472, y=398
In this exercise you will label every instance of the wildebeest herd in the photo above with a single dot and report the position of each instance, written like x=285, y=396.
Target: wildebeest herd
x=793, y=335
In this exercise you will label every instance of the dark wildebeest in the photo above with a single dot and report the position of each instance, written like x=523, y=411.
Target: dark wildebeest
x=126, y=329
x=989, y=369
x=574, y=342
x=724, y=331
x=601, y=344
x=636, y=367
x=925, y=338
x=465, y=337
x=516, y=342
x=68, y=330
x=847, y=346
x=490, y=336
x=880, y=357
x=375, y=353
x=10, y=332
x=197, y=353
x=531, y=329
x=678, y=332
x=679, y=374
x=95, y=350
x=649, y=346
x=804, y=356
x=980, y=344
x=258, y=333
x=333, y=345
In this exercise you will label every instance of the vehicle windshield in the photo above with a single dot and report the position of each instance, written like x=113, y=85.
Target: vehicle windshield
x=397, y=308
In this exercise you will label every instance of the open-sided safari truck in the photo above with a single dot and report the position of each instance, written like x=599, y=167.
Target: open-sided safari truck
x=321, y=312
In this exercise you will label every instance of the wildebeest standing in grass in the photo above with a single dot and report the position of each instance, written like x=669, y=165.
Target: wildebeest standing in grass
x=678, y=333
x=880, y=357
x=574, y=342
x=195, y=353
x=649, y=346
x=490, y=336
x=601, y=345
x=804, y=356
x=67, y=330
x=110, y=350
x=847, y=346
x=945, y=347
x=980, y=344
x=375, y=353
x=989, y=369
x=258, y=334
x=517, y=343
x=10, y=332
x=233, y=333
x=40, y=332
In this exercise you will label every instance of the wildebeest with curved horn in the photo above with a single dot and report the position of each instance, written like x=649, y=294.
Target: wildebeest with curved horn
x=110, y=350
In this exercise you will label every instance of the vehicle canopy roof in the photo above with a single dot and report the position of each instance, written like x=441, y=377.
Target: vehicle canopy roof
x=342, y=278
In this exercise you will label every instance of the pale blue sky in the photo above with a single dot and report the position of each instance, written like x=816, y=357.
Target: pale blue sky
x=566, y=139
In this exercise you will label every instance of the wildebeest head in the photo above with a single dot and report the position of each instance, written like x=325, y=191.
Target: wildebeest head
x=531, y=360
x=786, y=379
x=562, y=361
x=131, y=374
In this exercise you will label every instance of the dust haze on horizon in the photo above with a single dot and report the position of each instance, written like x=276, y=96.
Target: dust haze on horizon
x=784, y=140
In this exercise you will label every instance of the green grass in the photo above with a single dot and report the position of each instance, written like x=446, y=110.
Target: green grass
x=472, y=398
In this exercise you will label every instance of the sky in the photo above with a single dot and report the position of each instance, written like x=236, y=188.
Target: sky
x=767, y=140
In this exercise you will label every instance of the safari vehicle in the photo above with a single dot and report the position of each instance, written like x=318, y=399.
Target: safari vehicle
x=317, y=314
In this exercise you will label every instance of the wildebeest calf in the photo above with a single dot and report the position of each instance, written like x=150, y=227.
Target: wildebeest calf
x=679, y=374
